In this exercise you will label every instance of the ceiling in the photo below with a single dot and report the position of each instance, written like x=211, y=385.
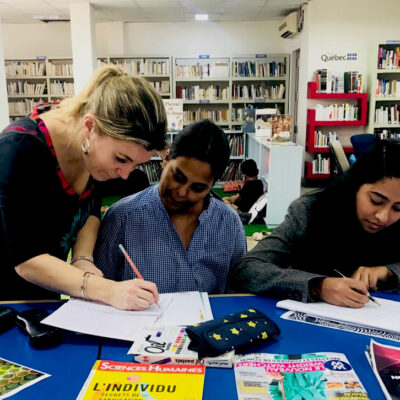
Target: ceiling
x=24, y=11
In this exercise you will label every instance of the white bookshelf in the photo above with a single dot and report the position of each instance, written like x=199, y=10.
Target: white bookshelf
x=384, y=96
x=34, y=81
x=156, y=70
x=280, y=169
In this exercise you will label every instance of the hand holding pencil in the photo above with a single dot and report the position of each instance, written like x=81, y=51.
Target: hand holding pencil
x=139, y=293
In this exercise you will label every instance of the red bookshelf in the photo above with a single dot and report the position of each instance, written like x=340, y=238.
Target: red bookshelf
x=312, y=124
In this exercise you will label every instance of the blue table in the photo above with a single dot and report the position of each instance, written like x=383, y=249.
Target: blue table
x=70, y=363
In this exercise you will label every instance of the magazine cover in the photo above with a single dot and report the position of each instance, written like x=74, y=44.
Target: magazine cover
x=317, y=376
x=263, y=124
x=16, y=377
x=116, y=379
x=386, y=366
x=281, y=127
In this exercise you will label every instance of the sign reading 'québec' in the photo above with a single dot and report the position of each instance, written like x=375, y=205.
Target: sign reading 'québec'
x=339, y=57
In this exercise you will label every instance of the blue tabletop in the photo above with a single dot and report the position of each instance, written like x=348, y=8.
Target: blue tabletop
x=70, y=363
x=295, y=338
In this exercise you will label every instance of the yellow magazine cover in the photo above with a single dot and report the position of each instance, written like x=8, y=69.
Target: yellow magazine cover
x=113, y=380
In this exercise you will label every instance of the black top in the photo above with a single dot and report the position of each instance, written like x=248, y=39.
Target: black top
x=40, y=213
x=249, y=194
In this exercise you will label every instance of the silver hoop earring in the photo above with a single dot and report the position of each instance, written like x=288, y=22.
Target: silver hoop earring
x=85, y=146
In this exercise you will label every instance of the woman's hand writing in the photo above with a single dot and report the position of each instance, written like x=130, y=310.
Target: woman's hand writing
x=371, y=275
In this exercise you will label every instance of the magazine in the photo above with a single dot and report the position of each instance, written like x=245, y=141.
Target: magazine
x=385, y=362
x=16, y=377
x=316, y=376
x=174, y=110
x=115, y=379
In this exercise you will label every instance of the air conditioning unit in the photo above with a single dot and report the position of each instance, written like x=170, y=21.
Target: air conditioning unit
x=288, y=27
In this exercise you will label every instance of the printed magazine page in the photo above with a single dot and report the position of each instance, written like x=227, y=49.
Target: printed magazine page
x=110, y=380
x=386, y=366
x=16, y=377
x=316, y=376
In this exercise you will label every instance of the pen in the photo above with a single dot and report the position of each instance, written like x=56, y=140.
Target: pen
x=139, y=275
x=369, y=296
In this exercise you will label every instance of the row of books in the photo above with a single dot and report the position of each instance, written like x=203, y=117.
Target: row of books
x=388, y=134
x=258, y=91
x=143, y=67
x=258, y=69
x=237, y=114
x=349, y=82
x=212, y=92
x=23, y=107
x=23, y=87
x=322, y=140
x=337, y=112
x=387, y=88
x=387, y=115
x=161, y=86
x=388, y=59
x=152, y=169
x=199, y=114
x=60, y=69
x=320, y=165
x=25, y=68
x=62, y=88
x=232, y=172
x=215, y=70
x=236, y=145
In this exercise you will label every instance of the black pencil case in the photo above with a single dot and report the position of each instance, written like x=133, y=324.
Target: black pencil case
x=237, y=331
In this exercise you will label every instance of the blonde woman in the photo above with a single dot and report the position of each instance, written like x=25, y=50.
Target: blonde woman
x=47, y=200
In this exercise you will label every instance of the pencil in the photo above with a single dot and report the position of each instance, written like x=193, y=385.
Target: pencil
x=139, y=275
x=369, y=296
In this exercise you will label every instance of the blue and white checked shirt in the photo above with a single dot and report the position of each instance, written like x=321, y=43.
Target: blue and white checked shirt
x=142, y=225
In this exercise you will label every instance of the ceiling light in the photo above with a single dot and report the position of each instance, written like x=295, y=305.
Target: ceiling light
x=201, y=17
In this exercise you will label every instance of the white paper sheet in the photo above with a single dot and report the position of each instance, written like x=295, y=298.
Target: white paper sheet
x=386, y=317
x=96, y=319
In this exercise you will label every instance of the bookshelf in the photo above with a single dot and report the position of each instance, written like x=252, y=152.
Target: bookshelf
x=219, y=88
x=156, y=70
x=279, y=167
x=37, y=80
x=384, y=109
x=321, y=151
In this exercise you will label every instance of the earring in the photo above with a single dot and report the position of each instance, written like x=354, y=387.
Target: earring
x=85, y=146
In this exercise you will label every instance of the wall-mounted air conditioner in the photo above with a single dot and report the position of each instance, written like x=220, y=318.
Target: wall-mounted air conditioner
x=288, y=26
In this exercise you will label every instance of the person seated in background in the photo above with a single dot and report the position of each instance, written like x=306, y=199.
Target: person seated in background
x=352, y=227
x=252, y=189
x=178, y=236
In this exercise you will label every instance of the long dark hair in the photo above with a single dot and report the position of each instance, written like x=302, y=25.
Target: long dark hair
x=204, y=141
x=339, y=198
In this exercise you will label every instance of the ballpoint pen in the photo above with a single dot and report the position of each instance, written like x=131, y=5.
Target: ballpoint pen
x=369, y=296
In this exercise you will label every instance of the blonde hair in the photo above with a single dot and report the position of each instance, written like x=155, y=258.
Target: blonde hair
x=124, y=107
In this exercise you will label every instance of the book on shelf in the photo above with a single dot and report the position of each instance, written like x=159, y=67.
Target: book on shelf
x=388, y=58
x=385, y=363
x=174, y=110
x=353, y=82
x=232, y=172
x=235, y=145
x=387, y=115
x=349, y=82
x=337, y=112
x=109, y=379
x=310, y=376
x=387, y=88
x=281, y=127
x=263, y=122
x=258, y=69
x=322, y=140
x=321, y=165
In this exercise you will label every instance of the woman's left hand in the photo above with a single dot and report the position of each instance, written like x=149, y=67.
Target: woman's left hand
x=371, y=275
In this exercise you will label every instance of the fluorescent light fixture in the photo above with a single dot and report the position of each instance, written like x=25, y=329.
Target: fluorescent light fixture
x=201, y=17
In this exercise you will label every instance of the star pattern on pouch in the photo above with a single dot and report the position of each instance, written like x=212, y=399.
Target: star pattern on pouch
x=216, y=336
x=235, y=331
x=251, y=310
x=252, y=324
x=264, y=335
x=225, y=321
x=243, y=316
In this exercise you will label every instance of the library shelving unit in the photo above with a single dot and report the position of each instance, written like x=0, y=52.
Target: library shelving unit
x=34, y=81
x=259, y=81
x=280, y=170
x=203, y=83
x=156, y=70
x=312, y=124
x=383, y=96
